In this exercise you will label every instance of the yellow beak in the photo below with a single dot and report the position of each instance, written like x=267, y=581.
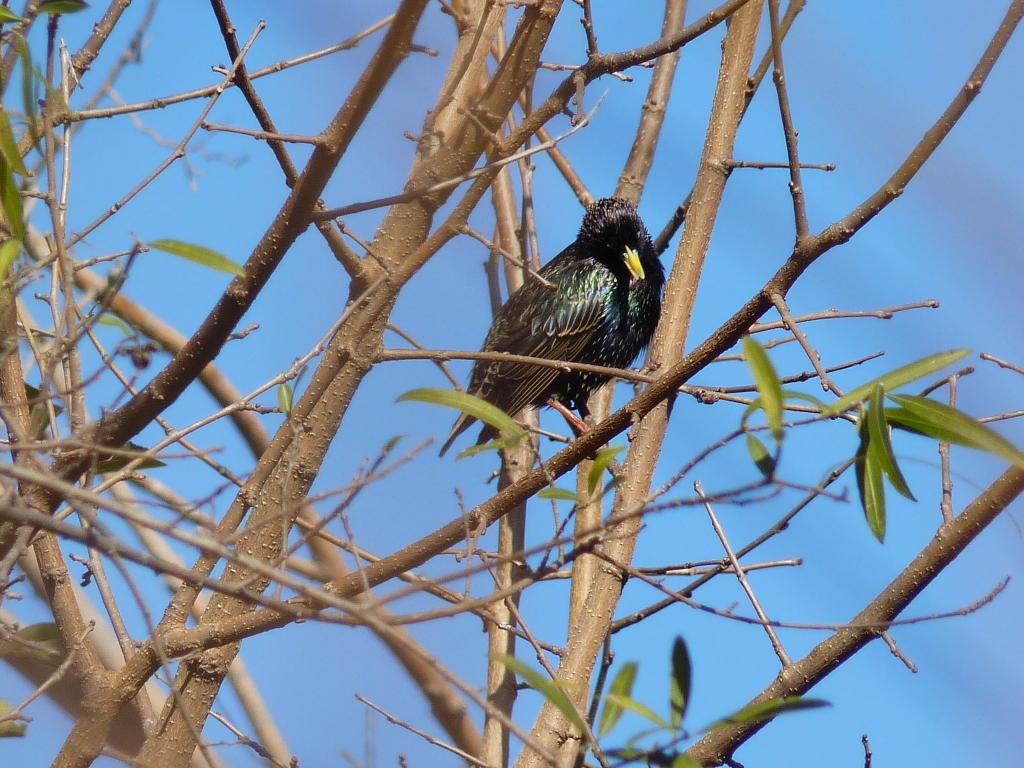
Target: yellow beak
x=632, y=258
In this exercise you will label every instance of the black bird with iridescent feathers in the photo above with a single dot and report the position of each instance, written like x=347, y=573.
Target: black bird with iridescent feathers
x=603, y=312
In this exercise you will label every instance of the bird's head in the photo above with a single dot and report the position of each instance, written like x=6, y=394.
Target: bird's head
x=613, y=233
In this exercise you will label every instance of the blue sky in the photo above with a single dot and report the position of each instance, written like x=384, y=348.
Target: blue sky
x=865, y=80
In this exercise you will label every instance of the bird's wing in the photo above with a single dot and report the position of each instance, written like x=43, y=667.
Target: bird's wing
x=536, y=322
x=544, y=324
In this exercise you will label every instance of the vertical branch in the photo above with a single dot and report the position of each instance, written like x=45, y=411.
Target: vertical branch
x=630, y=186
x=652, y=117
x=778, y=74
x=587, y=636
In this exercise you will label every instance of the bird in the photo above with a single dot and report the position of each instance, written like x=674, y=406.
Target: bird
x=602, y=310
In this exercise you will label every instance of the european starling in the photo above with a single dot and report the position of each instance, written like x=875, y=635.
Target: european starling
x=603, y=312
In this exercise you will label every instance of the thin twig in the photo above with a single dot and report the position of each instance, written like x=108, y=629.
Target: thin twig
x=741, y=576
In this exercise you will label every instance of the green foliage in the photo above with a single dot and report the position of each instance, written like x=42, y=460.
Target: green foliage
x=878, y=430
x=622, y=686
x=128, y=453
x=6, y=14
x=8, y=253
x=679, y=684
x=602, y=461
x=897, y=378
x=10, y=728
x=36, y=641
x=476, y=407
x=199, y=254
x=9, y=147
x=762, y=459
x=766, y=710
x=556, y=493
x=285, y=398
x=549, y=689
x=111, y=319
x=769, y=388
x=54, y=7
x=940, y=421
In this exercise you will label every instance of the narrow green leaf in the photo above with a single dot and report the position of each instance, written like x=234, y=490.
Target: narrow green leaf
x=10, y=728
x=468, y=404
x=45, y=632
x=622, y=685
x=870, y=488
x=556, y=493
x=640, y=708
x=8, y=146
x=111, y=319
x=897, y=378
x=8, y=253
x=940, y=421
x=53, y=7
x=548, y=688
x=768, y=385
x=36, y=641
x=679, y=686
x=685, y=761
x=604, y=457
x=766, y=710
x=40, y=414
x=792, y=394
x=760, y=455
x=493, y=445
x=125, y=455
x=28, y=99
x=285, y=396
x=200, y=254
x=6, y=14
x=878, y=432
x=10, y=198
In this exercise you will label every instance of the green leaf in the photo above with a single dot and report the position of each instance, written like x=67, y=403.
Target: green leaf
x=556, y=493
x=9, y=728
x=622, y=685
x=40, y=414
x=10, y=199
x=768, y=385
x=685, y=761
x=604, y=457
x=285, y=398
x=53, y=7
x=128, y=453
x=869, y=485
x=470, y=405
x=760, y=455
x=878, y=433
x=8, y=146
x=679, y=686
x=897, y=378
x=28, y=98
x=200, y=255
x=792, y=394
x=766, y=710
x=641, y=709
x=940, y=421
x=111, y=319
x=493, y=445
x=8, y=253
x=6, y=14
x=37, y=641
x=550, y=689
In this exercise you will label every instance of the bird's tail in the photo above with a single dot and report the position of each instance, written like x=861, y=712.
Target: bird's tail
x=461, y=425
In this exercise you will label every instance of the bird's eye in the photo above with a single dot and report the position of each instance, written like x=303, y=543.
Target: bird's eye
x=632, y=259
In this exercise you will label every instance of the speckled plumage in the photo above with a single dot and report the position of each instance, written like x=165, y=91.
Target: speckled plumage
x=600, y=314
